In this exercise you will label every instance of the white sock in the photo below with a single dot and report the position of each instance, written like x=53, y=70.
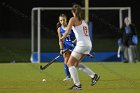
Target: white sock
x=85, y=69
x=74, y=75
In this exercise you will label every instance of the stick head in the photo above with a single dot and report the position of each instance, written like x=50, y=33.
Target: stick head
x=91, y=55
x=41, y=68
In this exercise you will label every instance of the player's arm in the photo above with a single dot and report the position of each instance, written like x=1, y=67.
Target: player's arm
x=119, y=51
x=59, y=36
x=69, y=27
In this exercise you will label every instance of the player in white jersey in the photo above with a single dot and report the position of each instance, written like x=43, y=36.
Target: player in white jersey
x=83, y=47
x=83, y=40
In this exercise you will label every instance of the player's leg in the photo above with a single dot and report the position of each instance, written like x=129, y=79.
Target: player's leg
x=67, y=73
x=135, y=54
x=73, y=71
x=82, y=67
x=94, y=77
x=125, y=53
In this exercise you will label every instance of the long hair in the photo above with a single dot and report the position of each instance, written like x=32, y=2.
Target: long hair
x=78, y=11
x=58, y=23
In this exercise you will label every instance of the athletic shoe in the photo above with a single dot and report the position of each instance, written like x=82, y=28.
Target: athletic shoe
x=94, y=79
x=75, y=87
x=67, y=79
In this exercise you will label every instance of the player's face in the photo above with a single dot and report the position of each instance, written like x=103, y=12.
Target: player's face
x=62, y=20
x=127, y=21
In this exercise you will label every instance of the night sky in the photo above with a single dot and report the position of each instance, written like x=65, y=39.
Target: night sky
x=12, y=10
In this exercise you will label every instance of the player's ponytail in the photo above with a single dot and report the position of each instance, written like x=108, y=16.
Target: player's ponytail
x=78, y=11
x=58, y=25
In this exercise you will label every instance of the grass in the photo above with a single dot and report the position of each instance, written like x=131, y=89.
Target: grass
x=116, y=77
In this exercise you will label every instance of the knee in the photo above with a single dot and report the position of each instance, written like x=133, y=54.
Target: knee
x=81, y=66
x=69, y=64
x=76, y=55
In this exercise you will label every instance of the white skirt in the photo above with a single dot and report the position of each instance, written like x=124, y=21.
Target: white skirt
x=82, y=49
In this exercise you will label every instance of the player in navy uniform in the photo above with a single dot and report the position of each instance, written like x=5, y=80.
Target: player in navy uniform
x=130, y=40
x=66, y=44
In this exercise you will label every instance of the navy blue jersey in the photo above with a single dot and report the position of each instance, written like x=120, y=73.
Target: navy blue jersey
x=68, y=40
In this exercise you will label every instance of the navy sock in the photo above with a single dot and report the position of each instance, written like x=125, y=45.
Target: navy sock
x=66, y=69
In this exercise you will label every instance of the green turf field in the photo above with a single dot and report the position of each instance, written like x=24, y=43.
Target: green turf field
x=27, y=78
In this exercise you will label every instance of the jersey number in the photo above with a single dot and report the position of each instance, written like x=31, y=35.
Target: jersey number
x=85, y=29
x=68, y=38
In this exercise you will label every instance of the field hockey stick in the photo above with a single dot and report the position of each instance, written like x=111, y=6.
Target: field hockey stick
x=52, y=61
x=91, y=55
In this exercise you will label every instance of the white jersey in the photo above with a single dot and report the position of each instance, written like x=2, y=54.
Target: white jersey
x=82, y=34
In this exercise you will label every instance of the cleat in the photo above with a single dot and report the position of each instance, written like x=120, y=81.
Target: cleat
x=67, y=79
x=75, y=87
x=95, y=79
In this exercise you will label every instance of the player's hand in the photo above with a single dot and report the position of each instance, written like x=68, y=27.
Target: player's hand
x=61, y=39
x=61, y=51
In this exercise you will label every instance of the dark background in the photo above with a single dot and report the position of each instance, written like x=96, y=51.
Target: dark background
x=15, y=26
x=15, y=14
